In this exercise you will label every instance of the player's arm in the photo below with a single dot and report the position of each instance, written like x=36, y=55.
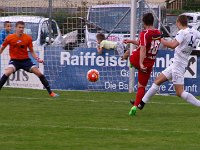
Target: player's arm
x=135, y=42
x=174, y=43
x=126, y=55
x=99, y=49
x=1, y=37
x=1, y=49
x=142, y=51
x=35, y=56
x=3, y=46
x=142, y=56
x=171, y=44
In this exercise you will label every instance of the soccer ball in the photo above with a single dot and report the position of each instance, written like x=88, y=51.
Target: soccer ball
x=93, y=75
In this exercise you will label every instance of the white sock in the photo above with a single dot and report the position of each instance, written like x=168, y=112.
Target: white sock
x=190, y=99
x=151, y=92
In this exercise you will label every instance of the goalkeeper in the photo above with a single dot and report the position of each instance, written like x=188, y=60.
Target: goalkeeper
x=19, y=59
x=102, y=43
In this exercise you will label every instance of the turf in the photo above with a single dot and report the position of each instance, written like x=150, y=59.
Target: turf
x=31, y=120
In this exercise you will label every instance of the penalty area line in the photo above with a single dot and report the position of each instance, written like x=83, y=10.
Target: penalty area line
x=88, y=100
x=94, y=128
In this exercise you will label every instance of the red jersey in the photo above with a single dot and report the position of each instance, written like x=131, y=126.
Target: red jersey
x=151, y=40
x=18, y=46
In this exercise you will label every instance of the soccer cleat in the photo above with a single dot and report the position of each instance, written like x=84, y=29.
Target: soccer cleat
x=133, y=110
x=132, y=101
x=141, y=105
x=53, y=94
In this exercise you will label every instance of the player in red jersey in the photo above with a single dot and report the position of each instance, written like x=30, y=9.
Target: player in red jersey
x=19, y=59
x=143, y=57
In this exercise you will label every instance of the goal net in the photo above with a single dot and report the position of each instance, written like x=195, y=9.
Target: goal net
x=64, y=34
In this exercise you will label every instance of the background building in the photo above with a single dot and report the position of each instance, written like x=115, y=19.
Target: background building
x=63, y=3
x=175, y=4
x=183, y=5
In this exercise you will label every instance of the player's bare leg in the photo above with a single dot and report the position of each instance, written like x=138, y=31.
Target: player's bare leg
x=179, y=89
x=6, y=75
x=44, y=81
x=160, y=79
x=126, y=55
x=185, y=95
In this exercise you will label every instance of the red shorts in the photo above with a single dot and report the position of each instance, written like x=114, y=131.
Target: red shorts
x=135, y=61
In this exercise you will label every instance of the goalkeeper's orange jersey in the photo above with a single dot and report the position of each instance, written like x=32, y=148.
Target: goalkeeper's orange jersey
x=18, y=46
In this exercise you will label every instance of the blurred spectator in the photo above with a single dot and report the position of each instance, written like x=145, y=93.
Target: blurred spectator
x=6, y=31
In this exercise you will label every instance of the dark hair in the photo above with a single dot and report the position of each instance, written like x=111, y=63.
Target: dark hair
x=100, y=36
x=6, y=22
x=148, y=19
x=19, y=23
x=183, y=20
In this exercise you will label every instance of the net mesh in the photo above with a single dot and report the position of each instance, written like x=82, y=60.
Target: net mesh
x=72, y=30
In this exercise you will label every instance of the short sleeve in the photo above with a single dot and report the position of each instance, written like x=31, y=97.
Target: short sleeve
x=179, y=37
x=142, y=39
x=102, y=44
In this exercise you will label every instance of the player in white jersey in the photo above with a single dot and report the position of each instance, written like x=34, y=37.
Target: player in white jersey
x=183, y=44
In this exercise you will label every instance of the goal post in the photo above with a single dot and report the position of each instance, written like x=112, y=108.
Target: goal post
x=71, y=26
x=133, y=22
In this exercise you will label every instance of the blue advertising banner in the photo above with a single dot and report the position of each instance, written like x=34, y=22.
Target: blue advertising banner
x=67, y=70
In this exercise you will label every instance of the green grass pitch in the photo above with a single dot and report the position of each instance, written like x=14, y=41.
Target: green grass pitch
x=31, y=120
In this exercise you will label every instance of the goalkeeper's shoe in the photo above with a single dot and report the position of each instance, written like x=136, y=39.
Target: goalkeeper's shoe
x=53, y=94
x=133, y=110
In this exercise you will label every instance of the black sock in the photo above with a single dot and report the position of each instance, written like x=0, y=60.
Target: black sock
x=45, y=83
x=4, y=78
x=141, y=105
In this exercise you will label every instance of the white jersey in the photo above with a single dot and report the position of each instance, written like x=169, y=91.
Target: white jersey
x=186, y=38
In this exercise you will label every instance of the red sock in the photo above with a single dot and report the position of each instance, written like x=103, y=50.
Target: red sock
x=139, y=95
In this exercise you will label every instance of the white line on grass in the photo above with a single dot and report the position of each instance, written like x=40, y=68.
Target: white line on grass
x=89, y=100
x=94, y=128
x=59, y=126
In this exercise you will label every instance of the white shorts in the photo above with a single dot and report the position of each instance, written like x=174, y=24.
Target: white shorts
x=175, y=73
